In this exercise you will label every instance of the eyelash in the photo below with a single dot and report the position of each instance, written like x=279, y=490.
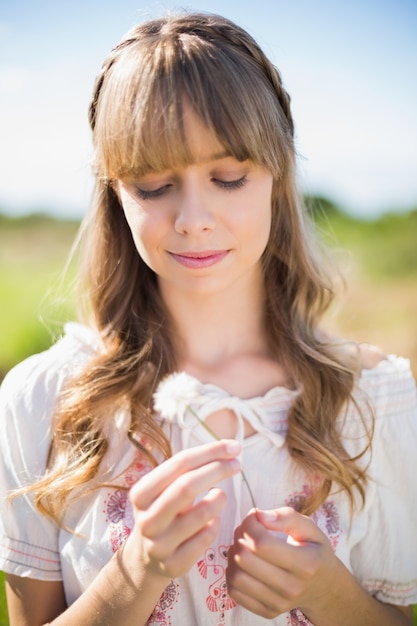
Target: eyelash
x=231, y=184
x=227, y=185
x=150, y=195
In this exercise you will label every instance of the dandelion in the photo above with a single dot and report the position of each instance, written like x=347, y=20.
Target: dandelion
x=173, y=399
x=174, y=396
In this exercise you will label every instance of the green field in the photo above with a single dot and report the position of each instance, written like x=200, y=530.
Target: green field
x=33, y=251
x=379, y=259
x=3, y=608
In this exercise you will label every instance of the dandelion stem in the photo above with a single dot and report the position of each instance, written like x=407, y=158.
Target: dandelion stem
x=245, y=480
x=213, y=434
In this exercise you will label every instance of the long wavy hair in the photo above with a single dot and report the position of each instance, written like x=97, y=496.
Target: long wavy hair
x=136, y=116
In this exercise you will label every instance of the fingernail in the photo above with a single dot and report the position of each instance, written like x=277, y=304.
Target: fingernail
x=235, y=464
x=233, y=447
x=267, y=516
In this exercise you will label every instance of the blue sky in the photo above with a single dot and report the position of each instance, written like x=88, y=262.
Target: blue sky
x=350, y=67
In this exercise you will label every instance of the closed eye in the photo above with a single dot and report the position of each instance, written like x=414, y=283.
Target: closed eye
x=145, y=194
x=227, y=185
x=230, y=184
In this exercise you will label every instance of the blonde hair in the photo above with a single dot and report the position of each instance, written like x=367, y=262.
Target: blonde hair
x=136, y=115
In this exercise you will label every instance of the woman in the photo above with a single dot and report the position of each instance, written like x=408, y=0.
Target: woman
x=201, y=376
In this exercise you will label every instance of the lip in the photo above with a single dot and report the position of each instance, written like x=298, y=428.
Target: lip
x=199, y=259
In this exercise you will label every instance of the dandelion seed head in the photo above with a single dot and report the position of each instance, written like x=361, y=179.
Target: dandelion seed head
x=175, y=394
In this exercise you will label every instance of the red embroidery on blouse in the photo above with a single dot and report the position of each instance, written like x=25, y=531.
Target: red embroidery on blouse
x=119, y=515
x=297, y=618
x=159, y=615
x=328, y=520
x=326, y=517
x=212, y=568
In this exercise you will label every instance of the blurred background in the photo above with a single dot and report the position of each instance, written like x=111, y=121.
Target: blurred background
x=350, y=67
x=351, y=71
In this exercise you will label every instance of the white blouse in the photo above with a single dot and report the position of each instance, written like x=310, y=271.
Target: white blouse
x=379, y=547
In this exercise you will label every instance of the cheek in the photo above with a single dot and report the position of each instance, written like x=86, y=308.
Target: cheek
x=265, y=213
x=141, y=229
x=256, y=220
x=264, y=232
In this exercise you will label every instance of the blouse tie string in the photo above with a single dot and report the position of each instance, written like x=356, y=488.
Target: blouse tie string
x=257, y=412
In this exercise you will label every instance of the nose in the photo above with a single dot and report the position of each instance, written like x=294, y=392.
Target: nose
x=194, y=213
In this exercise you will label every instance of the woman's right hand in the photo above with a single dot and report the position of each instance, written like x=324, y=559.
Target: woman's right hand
x=173, y=526
x=175, y=520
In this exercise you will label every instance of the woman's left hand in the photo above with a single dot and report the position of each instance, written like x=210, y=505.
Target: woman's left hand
x=270, y=573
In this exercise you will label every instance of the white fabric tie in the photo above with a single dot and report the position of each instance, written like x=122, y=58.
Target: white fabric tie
x=260, y=413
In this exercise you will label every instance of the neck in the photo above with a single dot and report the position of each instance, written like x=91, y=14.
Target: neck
x=215, y=328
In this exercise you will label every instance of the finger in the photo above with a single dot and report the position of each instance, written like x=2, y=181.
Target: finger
x=171, y=533
x=180, y=496
x=252, y=604
x=189, y=529
x=265, y=581
x=149, y=487
x=179, y=562
x=252, y=567
x=253, y=540
x=299, y=528
x=266, y=534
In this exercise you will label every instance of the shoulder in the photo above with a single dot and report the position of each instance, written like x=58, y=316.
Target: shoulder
x=387, y=385
x=384, y=382
x=374, y=367
x=28, y=397
x=34, y=383
x=379, y=371
x=370, y=356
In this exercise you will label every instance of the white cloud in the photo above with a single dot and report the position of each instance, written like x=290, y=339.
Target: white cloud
x=45, y=138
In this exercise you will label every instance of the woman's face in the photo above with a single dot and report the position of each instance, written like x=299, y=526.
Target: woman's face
x=201, y=228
